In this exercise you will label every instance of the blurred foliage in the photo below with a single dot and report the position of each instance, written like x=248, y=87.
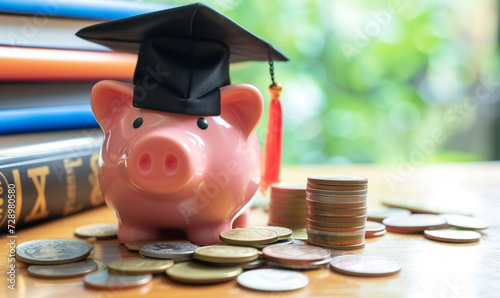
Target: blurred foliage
x=373, y=80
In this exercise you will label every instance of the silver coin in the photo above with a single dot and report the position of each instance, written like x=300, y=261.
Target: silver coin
x=369, y=266
x=279, y=242
x=63, y=270
x=52, y=251
x=99, y=231
x=272, y=280
x=101, y=265
x=110, y=281
x=296, y=241
x=168, y=250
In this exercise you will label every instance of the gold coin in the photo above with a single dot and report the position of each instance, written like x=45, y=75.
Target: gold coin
x=138, y=265
x=245, y=236
x=136, y=245
x=226, y=254
x=196, y=273
x=99, y=231
x=283, y=233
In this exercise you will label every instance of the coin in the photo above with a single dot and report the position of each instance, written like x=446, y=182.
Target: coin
x=453, y=236
x=334, y=194
x=99, y=231
x=336, y=187
x=254, y=264
x=378, y=214
x=110, y=281
x=338, y=247
x=197, y=273
x=335, y=242
x=226, y=254
x=377, y=234
x=373, y=228
x=339, y=198
x=331, y=219
x=336, y=180
x=272, y=280
x=63, y=270
x=300, y=266
x=283, y=233
x=326, y=229
x=369, y=266
x=413, y=223
x=279, y=242
x=288, y=187
x=318, y=204
x=335, y=238
x=299, y=234
x=136, y=245
x=335, y=224
x=52, y=251
x=465, y=222
x=168, y=250
x=351, y=212
x=294, y=253
x=101, y=265
x=248, y=236
x=138, y=265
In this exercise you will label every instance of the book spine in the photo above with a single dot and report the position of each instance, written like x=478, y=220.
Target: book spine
x=46, y=119
x=91, y=9
x=39, y=64
x=48, y=187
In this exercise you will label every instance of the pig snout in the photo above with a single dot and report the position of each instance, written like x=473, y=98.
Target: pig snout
x=160, y=164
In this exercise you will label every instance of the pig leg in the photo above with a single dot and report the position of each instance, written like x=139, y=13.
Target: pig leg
x=128, y=234
x=208, y=234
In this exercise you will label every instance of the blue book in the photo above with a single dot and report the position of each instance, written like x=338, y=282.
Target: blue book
x=87, y=9
x=46, y=119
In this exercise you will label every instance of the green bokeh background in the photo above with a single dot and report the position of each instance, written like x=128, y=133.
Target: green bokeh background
x=373, y=81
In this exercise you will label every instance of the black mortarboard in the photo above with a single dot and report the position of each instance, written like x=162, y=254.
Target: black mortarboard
x=184, y=55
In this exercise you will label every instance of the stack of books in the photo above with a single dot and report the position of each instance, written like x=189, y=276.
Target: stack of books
x=49, y=138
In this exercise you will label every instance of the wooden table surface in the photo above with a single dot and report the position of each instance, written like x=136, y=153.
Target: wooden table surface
x=430, y=268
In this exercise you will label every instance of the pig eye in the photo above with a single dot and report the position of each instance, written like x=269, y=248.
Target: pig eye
x=202, y=123
x=137, y=123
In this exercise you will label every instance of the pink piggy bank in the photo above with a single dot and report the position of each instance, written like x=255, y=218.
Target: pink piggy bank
x=161, y=171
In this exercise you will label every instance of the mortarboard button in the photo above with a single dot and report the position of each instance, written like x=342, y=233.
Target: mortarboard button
x=183, y=55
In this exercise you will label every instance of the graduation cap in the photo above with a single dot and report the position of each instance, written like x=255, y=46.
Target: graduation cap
x=183, y=55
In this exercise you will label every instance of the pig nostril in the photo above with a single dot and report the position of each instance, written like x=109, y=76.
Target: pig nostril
x=171, y=164
x=145, y=162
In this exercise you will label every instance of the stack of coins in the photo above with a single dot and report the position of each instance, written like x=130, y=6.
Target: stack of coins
x=287, y=206
x=336, y=211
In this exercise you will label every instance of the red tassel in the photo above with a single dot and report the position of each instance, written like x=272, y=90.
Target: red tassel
x=271, y=160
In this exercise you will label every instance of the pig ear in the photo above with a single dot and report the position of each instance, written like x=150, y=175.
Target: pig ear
x=110, y=101
x=241, y=105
